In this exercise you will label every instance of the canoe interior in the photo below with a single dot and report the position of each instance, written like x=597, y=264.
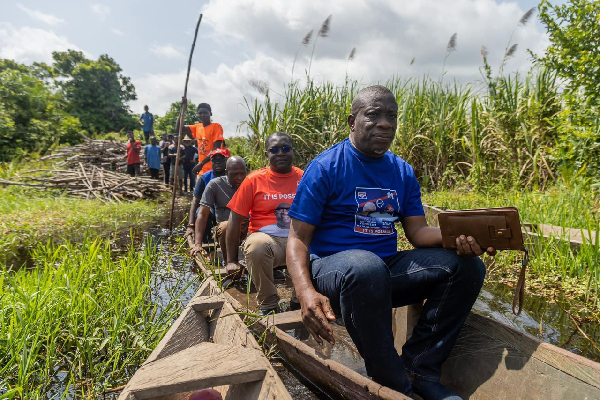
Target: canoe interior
x=489, y=361
x=208, y=346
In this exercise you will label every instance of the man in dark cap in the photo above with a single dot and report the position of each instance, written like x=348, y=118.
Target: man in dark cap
x=208, y=134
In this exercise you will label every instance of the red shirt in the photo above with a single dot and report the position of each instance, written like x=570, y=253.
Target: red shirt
x=133, y=157
x=261, y=194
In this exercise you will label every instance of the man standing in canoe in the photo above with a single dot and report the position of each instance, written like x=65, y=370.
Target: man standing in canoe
x=264, y=195
x=208, y=134
x=217, y=194
x=342, y=254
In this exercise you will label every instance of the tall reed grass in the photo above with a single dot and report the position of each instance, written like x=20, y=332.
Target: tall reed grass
x=504, y=132
x=80, y=322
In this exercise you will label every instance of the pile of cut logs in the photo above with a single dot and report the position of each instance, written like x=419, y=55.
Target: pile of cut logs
x=93, y=182
x=105, y=154
x=92, y=169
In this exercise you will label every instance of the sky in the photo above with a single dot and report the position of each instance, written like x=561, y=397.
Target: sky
x=241, y=42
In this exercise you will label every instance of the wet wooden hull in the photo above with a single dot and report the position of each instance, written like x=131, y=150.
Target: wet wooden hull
x=208, y=346
x=489, y=361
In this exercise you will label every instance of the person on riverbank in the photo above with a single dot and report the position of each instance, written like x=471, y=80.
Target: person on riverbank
x=152, y=153
x=133, y=155
x=209, y=136
x=217, y=195
x=219, y=159
x=191, y=159
x=343, y=259
x=167, y=140
x=173, y=159
x=263, y=196
x=147, y=122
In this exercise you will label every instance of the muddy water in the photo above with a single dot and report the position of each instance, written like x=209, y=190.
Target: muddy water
x=540, y=318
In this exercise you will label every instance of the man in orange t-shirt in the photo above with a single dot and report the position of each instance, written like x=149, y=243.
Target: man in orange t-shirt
x=266, y=194
x=209, y=136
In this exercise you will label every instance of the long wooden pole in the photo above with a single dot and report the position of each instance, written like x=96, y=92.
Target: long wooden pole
x=181, y=120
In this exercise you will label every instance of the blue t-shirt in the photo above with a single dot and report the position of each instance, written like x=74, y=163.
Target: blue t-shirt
x=148, y=119
x=152, y=154
x=354, y=200
x=201, y=184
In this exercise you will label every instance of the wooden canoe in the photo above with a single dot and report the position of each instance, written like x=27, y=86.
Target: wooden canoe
x=208, y=346
x=489, y=361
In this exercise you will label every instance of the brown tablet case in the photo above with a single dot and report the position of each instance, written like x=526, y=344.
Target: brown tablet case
x=499, y=228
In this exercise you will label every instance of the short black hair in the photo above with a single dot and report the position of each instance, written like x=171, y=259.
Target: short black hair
x=368, y=93
x=204, y=105
x=277, y=133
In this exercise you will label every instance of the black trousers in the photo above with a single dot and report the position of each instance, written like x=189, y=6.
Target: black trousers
x=154, y=173
x=167, y=168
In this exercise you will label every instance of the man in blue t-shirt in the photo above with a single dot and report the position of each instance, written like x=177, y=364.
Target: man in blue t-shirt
x=343, y=259
x=147, y=122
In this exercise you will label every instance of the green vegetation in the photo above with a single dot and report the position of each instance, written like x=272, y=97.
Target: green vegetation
x=41, y=104
x=555, y=267
x=168, y=122
x=30, y=217
x=81, y=322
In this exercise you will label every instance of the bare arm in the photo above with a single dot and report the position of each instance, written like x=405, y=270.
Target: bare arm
x=316, y=309
x=192, y=217
x=419, y=234
x=185, y=131
x=200, y=227
x=232, y=238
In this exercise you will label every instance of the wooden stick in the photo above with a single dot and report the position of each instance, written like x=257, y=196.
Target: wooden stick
x=181, y=121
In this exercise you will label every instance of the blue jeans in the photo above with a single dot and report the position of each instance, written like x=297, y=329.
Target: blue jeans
x=363, y=288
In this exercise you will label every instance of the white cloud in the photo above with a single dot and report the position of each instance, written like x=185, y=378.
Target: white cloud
x=40, y=16
x=117, y=31
x=27, y=45
x=101, y=9
x=223, y=89
x=387, y=34
x=167, y=51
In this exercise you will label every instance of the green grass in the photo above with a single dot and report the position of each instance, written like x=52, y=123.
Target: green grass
x=28, y=217
x=80, y=322
x=555, y=268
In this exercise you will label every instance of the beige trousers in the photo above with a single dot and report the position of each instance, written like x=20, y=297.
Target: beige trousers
x=263, y=253
x=221, y=231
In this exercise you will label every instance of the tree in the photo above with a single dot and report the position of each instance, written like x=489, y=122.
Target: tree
x=574, y=51
x=32, y=116
x=168, y=122
x=96, y=92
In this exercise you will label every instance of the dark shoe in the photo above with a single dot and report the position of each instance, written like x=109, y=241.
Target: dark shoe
x=264, y=313
x=433, y=391
x=278, y=275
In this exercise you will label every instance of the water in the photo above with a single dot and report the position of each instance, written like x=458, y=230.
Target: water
x=539, y=318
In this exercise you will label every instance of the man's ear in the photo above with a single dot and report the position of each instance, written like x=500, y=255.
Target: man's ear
x=351, y=119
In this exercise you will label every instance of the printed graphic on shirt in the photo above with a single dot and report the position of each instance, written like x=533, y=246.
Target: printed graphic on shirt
x=376, y=212
x=282, y=227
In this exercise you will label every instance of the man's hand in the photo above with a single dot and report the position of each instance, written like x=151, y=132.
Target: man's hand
x=197, y=168
x=198, y=249
x=316, y=314
x=468, y=247
x=233, y=267
x=189, y=232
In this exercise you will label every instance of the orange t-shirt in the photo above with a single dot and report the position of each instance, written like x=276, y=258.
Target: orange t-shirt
x=206, y=137
x=267, y=196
